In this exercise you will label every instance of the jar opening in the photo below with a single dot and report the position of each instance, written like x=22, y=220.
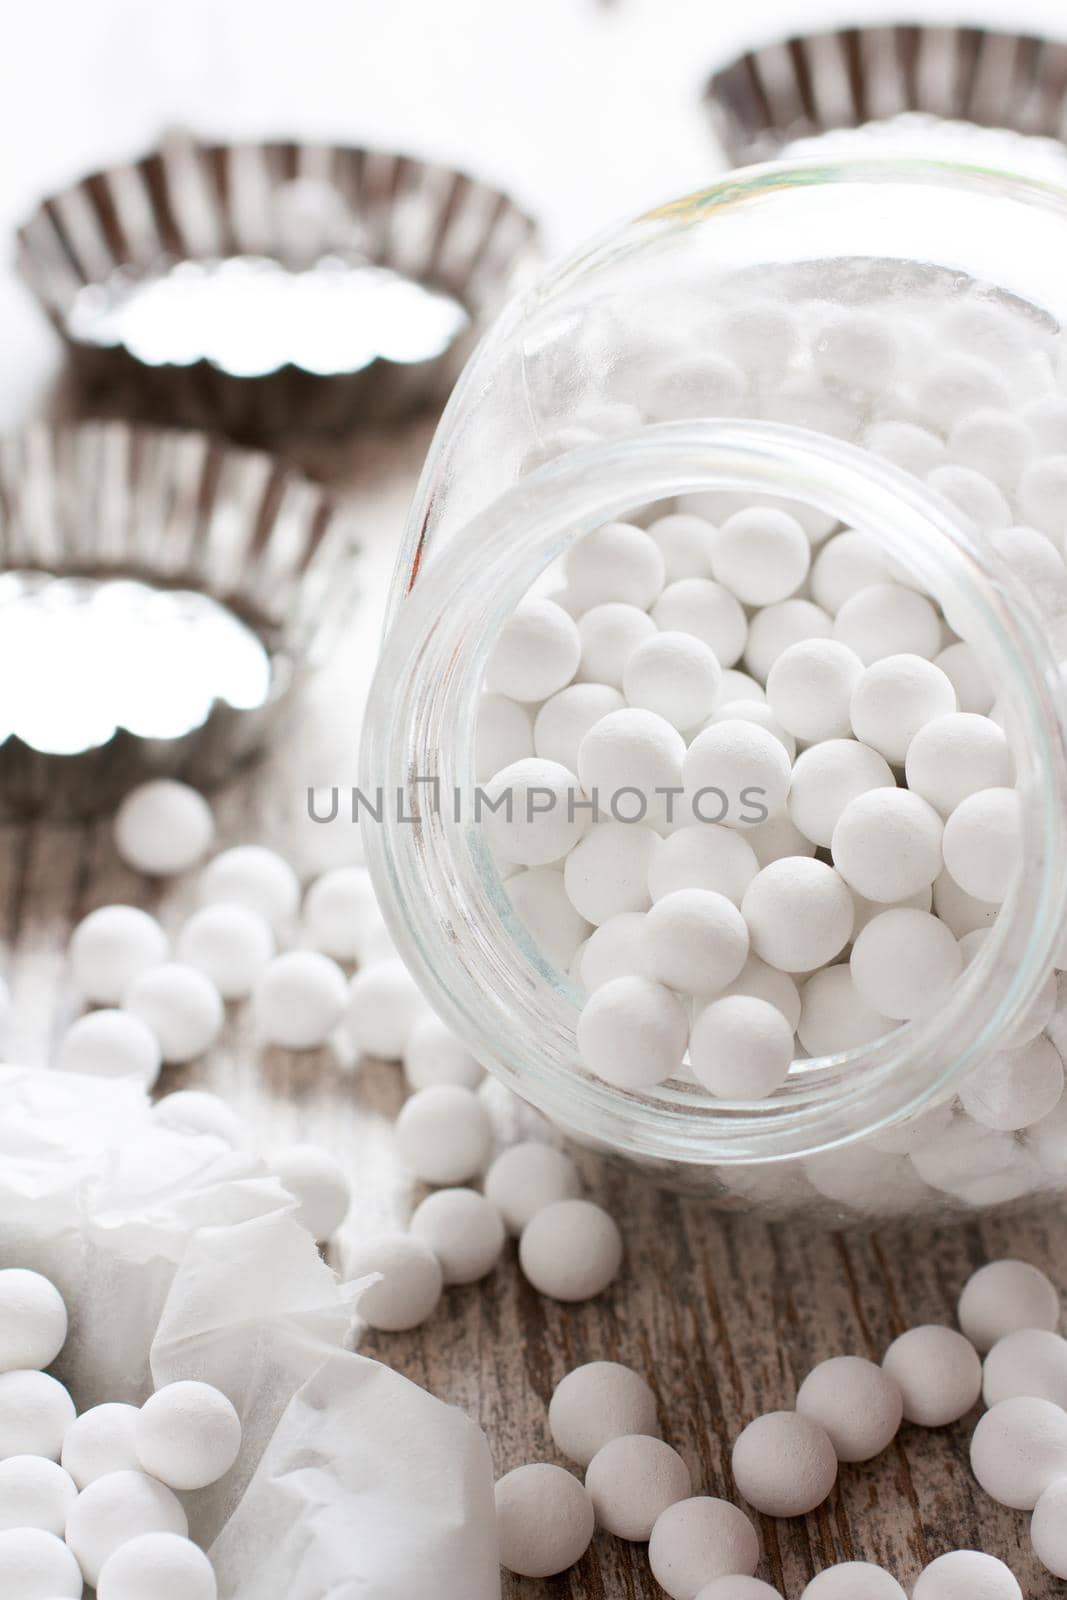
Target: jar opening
x=441, y=893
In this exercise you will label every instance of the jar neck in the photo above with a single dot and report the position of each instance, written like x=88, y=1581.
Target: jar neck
x=448, y=912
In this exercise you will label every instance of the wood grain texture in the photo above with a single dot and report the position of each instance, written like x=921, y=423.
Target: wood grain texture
x=724, y=1315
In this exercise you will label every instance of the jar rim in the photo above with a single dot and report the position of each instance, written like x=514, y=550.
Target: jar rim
x=448, y=912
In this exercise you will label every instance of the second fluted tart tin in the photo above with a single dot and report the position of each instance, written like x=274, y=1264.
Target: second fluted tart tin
x=162, y=596
x=902, y=84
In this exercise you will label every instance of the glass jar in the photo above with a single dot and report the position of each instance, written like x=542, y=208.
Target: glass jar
x=612, y=387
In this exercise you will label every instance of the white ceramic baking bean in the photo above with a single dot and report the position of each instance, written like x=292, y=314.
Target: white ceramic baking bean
x=854, y=1580
x=505, y=734
x=563, y=722
x=1029, y=1362
x=535, y=653
x=904, y=962
x=1040, y=495
x=962, y=665
x=703, y=856
x=810, y=686
x=318, y=1184
x=955, y=756
x=973, y=494
x=685, y=544
x=444, y=1135
x=198, y=1111
x=411, y=1281
x=784, y=1464
x=864, y=1182
x=162, y=1565
x=630, y=761
x=761, y=555
x=181, y=1007
x=1048, y=1529
x=1036, y=561
x=1014, y=1088
x=799, y=914
x=773, y=629
x=631, y=1482
x=983, y=842
x=609, y=635
x=35, y=1413
x=1019, y=1449
x=957, y=383
x=1003, y=1297
x=299, y=999
x=759, y=712
x=606, y=873
x=111, y=948
x=937, y=1371
x=100, y=1441
x=735, y=773
x=761, y=336
x=741, y=1048
x=978, y=1166
x=1046, y=418
x=907, y=445
x=697, y=1540
x=675, y=675
x=738, y=1587
x=959, y=910
x=528, y=1176
x=434, y=1054
x=463, y=1229
x=33, y=1320
x=888, y=619
x=848, y=562
x=615, y=562
x=163, y=827
x=35, y=1493
x=614, y=950
x=571, y=1250
x=633, y=1032
x=597, y=1402
x=739, y=686
x=529, y=812
x=834, y=1016
x=341, y=908
x=777, y=838
x=708, y=611
x=187, y=1435
x=544, y=1518
x=826, y=778
x=250, y=875
x=116, y=1508
x=894, y=698
x=36, y=1565
x=385, y=1006
x=857, y=350
x=232, y=945
x=886, y=844
x=997, y=444
x=859, y=1405
x=767, y=983
x=694, y=941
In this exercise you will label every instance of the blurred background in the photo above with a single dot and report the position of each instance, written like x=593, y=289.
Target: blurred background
x=583, y=110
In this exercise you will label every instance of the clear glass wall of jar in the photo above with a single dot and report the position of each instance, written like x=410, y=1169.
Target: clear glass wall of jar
x=621, y=342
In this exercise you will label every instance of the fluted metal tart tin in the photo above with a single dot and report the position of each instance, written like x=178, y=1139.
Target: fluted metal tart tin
x=898, y=83
x=162, y=598
x=271, y=291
